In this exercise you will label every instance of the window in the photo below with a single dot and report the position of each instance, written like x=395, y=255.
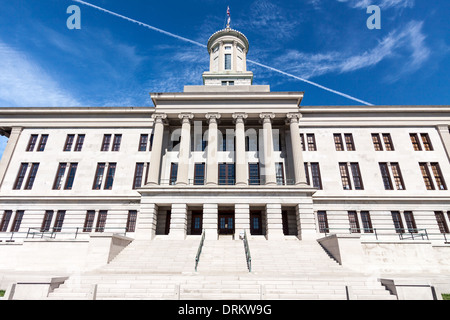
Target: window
x=410, y=222
x=415, y=141
x=173, y=173
x=47, y=220
x=106, y=142
x=89, y=221
x=398, y=223
x=440, y=219
x=117, y=141
x=227, y=61
x=377, y=142
x=315, y=175
x=302, y=139
x=138, y=175
x=143, y=142
x=69, y=141
x=398, y=179
x=20, y=176
x=357, y=179
x=99, y=176
x=426, y=176
x=279, y=173
x=349, y=142
x=353, y=220
x=131, y=220
x=228, y=83
x=226, y=174
x=42, y=143
x=323, y=221
x=426, y=142
x=80, y=141
x=345, y=177
x=386, y=176
x=71, y=176
x=110, y=176
x=32, y=176
x=388, y=142
x=440, y=183
x=311, y=142
x=199, y=174
x=32, y=142
x=59, y=176
x=101, y=222
x=253, y=174
x=366, y=222
x=338, y=142
x=17, y=221
x=59, y=220
x=5, y=220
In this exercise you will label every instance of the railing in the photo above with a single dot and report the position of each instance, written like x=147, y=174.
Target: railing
x=227, y=182
x=402, y=234
x=247, y=252
x=199, y=251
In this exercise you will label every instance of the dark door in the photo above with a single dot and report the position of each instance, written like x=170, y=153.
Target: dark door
x=255, y=223
x=284, y=218
x=167, y=226
x=226, y=224
x=197, y=222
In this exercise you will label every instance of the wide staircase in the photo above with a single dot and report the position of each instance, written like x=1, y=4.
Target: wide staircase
x=165, y=269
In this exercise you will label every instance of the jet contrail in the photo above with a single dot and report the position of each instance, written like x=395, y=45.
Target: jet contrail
x=204, y=46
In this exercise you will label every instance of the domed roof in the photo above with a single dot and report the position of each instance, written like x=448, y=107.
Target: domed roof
x=228, y=32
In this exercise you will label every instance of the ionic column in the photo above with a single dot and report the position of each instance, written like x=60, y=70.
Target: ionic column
x=299, y=168
x=212, y=169
x=185, y=148
x=13, y=138
x=240, y=159
x=155, y=158
x=269, y=161
x=444, y=133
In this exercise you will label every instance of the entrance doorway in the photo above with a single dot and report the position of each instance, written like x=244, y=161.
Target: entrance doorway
x=256, y=223
x=226, y=224
x=197, y=222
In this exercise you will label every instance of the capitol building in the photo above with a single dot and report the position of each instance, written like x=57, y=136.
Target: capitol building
x=226, y=190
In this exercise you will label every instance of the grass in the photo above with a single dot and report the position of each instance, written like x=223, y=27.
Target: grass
x=446, y=296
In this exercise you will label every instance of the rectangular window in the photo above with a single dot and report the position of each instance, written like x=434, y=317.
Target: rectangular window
x=32, y=176
x=398, y=224
x=32, y=142
x=5, y=220
x=306, y=172
x=366, y=221
x=110, y=176
x=253, y=174
x=17, y=221
x=80, y=142
x=106, y=142
x=311, y=142
x=89, y=221
x=338, y=142
x=20, y=176
x=426, y=142
x=99, y=176
x=426, y=176
x=388, y=142
x=279, y=173
x=69, y=142
x=59, y=220
x=42, y=143
x=143, y=142
x=138, y=174
x=227, y=61
x=440, y=219
x=440, y=183
x=117, y=141
x=199, y=174
x=323, y=221
x=71, y=176
x=415, y=141
x=357, y=179
x=101, y=222
x=173, y=173
x=398, y=179
x=226, y=174
x=47, y=220
x=302, y=140
x=385, y=176
x=345, y=177
x=131, y=220
x=410, y=222
x=349, y=142
x=353, y=220
x=59, y=176
x=315, y=175
x=377, y=142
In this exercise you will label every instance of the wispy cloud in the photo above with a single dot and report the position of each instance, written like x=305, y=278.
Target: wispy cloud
x=23, y=83
x=406, y=45
x=384, y=4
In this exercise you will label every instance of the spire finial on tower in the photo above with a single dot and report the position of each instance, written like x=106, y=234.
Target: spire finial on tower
x=229, y=17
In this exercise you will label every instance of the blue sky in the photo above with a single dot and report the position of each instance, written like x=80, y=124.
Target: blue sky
x=115, y=62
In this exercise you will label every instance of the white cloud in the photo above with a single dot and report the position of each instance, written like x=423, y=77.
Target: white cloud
x=23, y=83
x=406, y=46
x=384, y=4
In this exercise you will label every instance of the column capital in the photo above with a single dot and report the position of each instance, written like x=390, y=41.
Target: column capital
x=185, y=117
x=239, y=117
x=213, y=117
x=267, y=117
x=159, y=117
x=293, y=117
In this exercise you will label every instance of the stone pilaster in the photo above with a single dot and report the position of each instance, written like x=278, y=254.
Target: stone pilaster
x=178, y=221
x=274, y=221
x=242, y=219
x=210, y=217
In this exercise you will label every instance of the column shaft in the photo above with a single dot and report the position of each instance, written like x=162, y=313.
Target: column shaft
x=185, y=149
x=9, y=150
x=444, y=133
x=268, y=159
x=212, y=166
x=299, y=168
x=155, y=158
x=240, y=158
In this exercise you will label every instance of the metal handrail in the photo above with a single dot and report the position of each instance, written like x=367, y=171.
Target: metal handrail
x=199, y=251
x=53, y=232
x=413, y=233
x=247, y=252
